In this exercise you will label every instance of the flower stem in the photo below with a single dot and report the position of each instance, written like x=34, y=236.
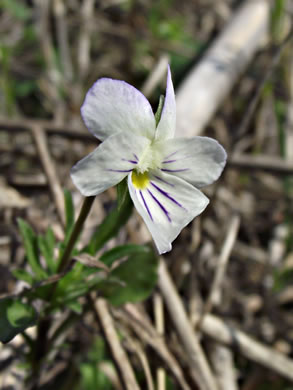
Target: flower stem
x=42, y=344
x=86, y=207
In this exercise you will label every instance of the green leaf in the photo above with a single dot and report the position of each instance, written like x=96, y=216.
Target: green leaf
x=69, y=214
x=110, y=226
x=120, y=251
x=31, y=249
x=47, y=245
x=15, y=317
x=137, y=275
x=17, y=9
x=75, y=306
x=122, y=191
x=75, y=284
x=21, y=274
x=159, y=110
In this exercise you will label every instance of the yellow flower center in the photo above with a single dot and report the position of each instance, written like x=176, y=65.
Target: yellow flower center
x=140, y=180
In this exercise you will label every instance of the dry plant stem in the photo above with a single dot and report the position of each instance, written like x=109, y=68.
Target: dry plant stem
x=62, y=38
x=148, y=334
x=84, y=43
x=223, y=63
x=46, y=41
x=119, y=355
x=267, y=163
x=39, y=137
x=156, y=76
x=252, y=349
x=50, y=127
x=257, y=95
x=223, y=364
x=159, y=321
x=135, y=347
x=199, y=368
x=214, y=295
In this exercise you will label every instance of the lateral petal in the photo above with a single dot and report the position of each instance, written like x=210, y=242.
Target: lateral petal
x=112, y=106
x=108, y=164
x=167, y=125
x=167, y=204
x=198, y=160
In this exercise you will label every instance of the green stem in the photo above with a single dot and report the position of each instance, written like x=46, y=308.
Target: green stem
x=66, y=257
x=42, y=344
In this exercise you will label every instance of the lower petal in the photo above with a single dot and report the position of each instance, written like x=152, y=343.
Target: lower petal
x=167, y=204
x=108, y=164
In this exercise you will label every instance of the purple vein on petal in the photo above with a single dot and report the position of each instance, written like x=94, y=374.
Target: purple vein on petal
x=135, y=156
x=163, y=181
x=131, y=161
x=168, y=161
x=119, y=170
x=174, y=170
x=166, y=195
x=145, y=205
x=160, y=205
x=172, y=154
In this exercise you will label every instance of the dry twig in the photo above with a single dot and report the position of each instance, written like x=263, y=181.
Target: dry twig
x=199, y=368
x=104, y=317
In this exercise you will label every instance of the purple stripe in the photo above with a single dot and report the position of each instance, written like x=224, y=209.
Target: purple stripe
x=120, y=170
x=174, y=170
x=160, y=205
x=146, y=206
x=163, y=181
x=172, y=154
x=131, y=161
x=166, y=195
x=169, y=161
x=135, y=156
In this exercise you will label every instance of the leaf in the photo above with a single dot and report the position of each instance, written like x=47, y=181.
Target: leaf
x=69, y=214
x=47, y=245
x=159, y=110
x=110, y=226
x=31, y=249
x=21, y=274
x=17, y=9
x=122, y=190
x=121, y=251
x=75, y=306
x=137, y=275
x=15, y=317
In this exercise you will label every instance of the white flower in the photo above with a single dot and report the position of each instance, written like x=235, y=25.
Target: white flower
x=164, y=173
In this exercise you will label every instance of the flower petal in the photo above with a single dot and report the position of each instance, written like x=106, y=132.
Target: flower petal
x=112, y=106
x=167, y=125
x=198, y=160
x=108, y=164
x=167, y=204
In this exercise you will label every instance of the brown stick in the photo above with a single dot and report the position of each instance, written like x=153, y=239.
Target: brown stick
x=252, y=349
x=50, y=171
x=119, y=355
x=49, y=127
x=199, y=368
x=261, y=162
x=221, y=267
x=147, y=333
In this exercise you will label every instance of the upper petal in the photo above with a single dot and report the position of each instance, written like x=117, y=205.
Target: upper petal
x=167, y=125
x=112, y=106
x=108, y=164
x=198, y=160
x=167, y=204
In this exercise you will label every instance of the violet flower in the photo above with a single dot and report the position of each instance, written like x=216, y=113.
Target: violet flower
x=164, y=173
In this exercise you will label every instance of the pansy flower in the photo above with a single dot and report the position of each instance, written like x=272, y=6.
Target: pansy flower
x=164, y=173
